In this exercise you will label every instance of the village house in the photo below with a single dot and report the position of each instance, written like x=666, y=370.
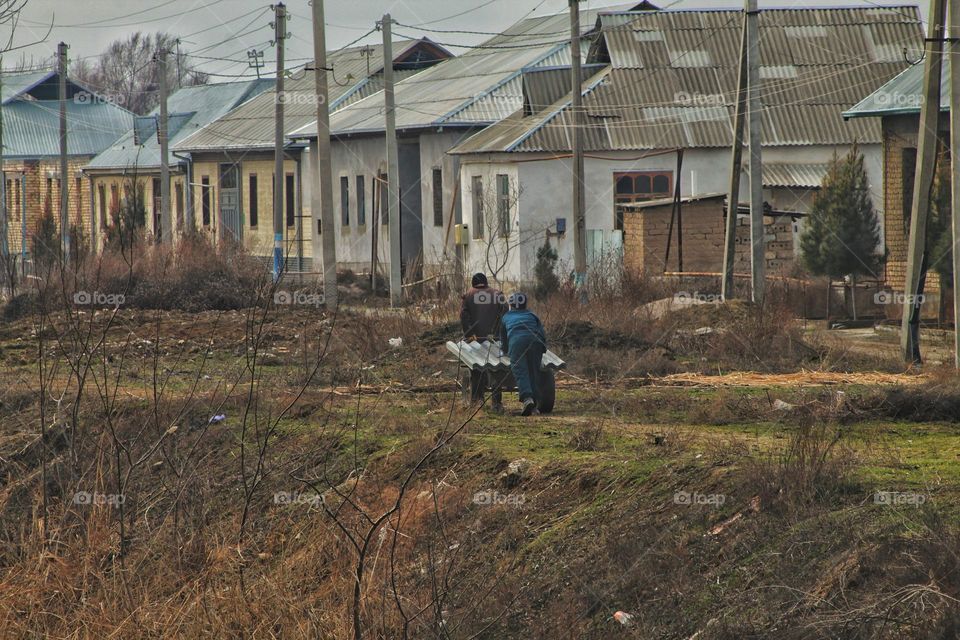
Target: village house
x=663, y=83
x=896, y=107
x=31, y=158
x=436, y=110
x=232, y=157
x=131, y=166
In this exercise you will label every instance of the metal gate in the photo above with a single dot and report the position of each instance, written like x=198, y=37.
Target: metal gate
x=230, y=203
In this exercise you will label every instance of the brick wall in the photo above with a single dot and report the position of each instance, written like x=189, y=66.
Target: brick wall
x=646, y=233
x=33, y=189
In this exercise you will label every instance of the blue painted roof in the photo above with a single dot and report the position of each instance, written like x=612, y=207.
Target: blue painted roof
x=190, y=109
x=903, y=94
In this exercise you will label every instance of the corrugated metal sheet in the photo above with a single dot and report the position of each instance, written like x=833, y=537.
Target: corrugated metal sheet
x=794, y=175
x=655, y=102
x=204, y=103
x=251, y=126
x=32, y=127
x=486, y=356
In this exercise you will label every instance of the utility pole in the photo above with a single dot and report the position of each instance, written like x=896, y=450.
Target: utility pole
x=579, y=193
x=393, y=163
x=926, y=163
x=255, y=60
x=728, y=286
x=758, y=254
x=64, y=182
x=280, y=26
x=324, y=164
x=166, y=226
x=955, y=172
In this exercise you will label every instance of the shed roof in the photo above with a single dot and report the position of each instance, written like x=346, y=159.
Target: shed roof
x=357, y=72
x=672, y=80
x=902, y=95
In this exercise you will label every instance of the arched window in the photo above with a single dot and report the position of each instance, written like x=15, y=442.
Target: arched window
x=639, y=186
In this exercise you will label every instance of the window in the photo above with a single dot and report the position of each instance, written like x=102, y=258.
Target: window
x=361, y=201
x=18, y=205
x=8, y=200
x=437, y=198
x=179, y=204
x=102, y=205
x=503, y=204
x=79, y=187
x=114, y=200
x=344, y=202
x=639, y=186
x=48, y=207
x=384, y=200
x=254, y=201
x=205, y=203
x=477, y=207
x=291, y=198
x=157, y=208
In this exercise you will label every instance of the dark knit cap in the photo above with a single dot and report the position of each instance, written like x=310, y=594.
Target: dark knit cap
x=479, y=280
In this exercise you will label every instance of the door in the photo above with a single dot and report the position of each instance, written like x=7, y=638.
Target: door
x=231, y=226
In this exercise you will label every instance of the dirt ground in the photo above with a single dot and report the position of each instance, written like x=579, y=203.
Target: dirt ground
x=237, y=471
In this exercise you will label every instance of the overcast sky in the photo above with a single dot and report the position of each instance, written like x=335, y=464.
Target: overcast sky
x=224, y=30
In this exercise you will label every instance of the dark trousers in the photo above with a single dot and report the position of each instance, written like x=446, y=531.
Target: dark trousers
x=479, y=380
x=526, y=356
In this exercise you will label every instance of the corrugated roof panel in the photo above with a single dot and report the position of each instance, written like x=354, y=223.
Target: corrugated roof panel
x=659, y=106
x=794, y=175
x=32, y=127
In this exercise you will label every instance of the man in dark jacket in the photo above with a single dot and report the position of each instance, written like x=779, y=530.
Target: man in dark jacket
x=522, y=337
x=481, y=308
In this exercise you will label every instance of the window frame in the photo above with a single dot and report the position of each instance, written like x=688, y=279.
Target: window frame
x=636, y=194
x=504, y=204
x=476, y=213
x=253, y=197
x=437, y=197
x=344, y=202
x=360, y=186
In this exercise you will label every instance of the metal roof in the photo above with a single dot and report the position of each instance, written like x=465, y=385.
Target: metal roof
x=356, y=74
x=794, y=175
x=480, y=87
x=902, y=95
x=37, y=85
x=31, y=128
x=672, y=80
x=190, y=108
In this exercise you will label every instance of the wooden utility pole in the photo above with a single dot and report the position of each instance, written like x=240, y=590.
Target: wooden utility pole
x=280, y=29
x=166, y=226
x=926, y=163
x=758, y=254
x=324, y=164
x=728, y=290
x=64, y=182
x=955, y=168
x=393, y=163
x=579, y=193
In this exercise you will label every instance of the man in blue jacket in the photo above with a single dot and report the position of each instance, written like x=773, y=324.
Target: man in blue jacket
x=522, y=337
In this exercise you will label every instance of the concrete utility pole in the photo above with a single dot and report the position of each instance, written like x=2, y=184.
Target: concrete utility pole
x=758, y=271
x=393, y=163
x=324, y=164
x=166, y=226
x=280, y=27
x=64, y=182
x=955, y=169
x=728, y=287
x=926, y=163
x=579, y=193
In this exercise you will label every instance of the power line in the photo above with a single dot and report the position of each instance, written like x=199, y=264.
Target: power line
x=98, y=24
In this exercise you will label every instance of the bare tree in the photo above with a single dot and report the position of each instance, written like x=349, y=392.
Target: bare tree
x=126, y=74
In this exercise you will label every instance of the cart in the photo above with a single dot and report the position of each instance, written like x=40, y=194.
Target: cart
x=477, y=355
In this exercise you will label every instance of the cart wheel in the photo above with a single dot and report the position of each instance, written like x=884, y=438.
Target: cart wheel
x=548, y=390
